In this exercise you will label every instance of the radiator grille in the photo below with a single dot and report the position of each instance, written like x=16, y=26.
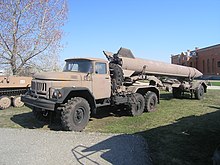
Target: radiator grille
x=38, y=86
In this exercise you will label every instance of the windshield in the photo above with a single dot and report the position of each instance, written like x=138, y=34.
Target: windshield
x=84, y=66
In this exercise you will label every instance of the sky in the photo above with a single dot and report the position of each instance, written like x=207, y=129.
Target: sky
x=152, y=29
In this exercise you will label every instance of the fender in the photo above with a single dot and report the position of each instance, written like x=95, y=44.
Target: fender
x=144, y=89
x=197, y=83
x=69, y=92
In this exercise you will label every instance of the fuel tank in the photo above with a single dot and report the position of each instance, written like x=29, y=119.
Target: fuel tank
x=135, y=66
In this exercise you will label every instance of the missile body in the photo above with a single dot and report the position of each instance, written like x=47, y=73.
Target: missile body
x=135, y=66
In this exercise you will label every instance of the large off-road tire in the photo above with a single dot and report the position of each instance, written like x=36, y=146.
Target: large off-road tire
x=150, y=101
x=75, y=115
x=5, y=102
x=199, y=93
x=16, y=102
x=137, y=108
x=40, y=115
x=176, y=93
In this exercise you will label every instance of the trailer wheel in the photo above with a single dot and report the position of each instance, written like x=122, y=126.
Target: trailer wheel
x=137, y=108
x=5, y=102
x=75, y=115
x=199, y=93
x=150, y=101
x=176, y=93
x=40, y=115
x=17, y=102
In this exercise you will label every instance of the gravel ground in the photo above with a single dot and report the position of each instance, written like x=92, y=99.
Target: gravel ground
x=34, y=147
x=213, y=87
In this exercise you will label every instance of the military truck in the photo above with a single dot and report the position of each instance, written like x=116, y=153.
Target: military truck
x=11, y=89
x=88, y=83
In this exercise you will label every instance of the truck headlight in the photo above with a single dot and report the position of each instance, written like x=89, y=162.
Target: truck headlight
x=55, y=93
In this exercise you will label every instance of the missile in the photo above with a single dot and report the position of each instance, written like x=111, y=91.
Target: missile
x=133, y=66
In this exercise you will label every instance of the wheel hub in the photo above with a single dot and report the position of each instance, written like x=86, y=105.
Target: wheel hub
x=152, y=103
x=79, y=114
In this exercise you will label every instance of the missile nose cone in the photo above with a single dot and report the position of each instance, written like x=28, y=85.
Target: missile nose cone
x=198, y=73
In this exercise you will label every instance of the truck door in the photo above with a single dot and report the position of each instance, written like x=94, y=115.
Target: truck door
x=101, y=81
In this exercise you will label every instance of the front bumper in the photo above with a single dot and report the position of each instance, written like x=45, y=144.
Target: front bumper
x=38, y=102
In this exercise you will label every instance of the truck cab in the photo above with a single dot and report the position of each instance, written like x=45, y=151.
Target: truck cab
x=88, y=74
x=94, y=75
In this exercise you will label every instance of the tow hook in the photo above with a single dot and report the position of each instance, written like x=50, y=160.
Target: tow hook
x=45, y=113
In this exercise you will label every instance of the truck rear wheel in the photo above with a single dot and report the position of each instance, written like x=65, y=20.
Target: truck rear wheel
x=150, y=101
x=5, y=102
x=17, y=102
x=137, y=108
x=199, y=93
x=75, y=115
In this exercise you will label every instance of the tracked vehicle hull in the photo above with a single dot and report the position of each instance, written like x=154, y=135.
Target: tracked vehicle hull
x=11, y=88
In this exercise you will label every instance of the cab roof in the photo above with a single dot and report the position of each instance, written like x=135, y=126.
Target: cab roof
x=87, y=58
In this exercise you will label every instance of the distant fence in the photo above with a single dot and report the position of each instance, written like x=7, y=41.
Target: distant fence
x=211, y=77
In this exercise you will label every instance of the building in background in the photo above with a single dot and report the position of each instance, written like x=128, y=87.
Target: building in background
x=1, y=72
x=181, y=59
x=206, y=60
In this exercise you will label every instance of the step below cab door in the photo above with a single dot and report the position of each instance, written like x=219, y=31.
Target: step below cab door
x=101, y=82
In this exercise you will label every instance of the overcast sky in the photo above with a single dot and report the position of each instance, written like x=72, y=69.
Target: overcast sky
x=152, y=29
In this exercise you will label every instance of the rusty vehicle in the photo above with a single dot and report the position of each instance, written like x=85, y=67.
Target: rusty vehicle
x=88, y=83
x=11, y=89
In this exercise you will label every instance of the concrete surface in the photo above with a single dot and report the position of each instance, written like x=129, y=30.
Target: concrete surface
x=34, y=147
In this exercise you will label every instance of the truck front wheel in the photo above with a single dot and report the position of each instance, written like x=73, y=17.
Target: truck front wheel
x=75, y=115
x=150, y=101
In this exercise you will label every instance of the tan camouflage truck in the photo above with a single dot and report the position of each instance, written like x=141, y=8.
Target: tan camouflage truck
x=11, y=89
x=88, y=83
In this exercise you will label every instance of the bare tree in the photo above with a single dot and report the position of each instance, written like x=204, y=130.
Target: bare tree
x=30, y=30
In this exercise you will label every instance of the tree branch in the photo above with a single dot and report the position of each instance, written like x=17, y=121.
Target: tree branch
x=5, y=43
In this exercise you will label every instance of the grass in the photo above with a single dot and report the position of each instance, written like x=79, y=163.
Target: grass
x=181, y=131
x=215, y=83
